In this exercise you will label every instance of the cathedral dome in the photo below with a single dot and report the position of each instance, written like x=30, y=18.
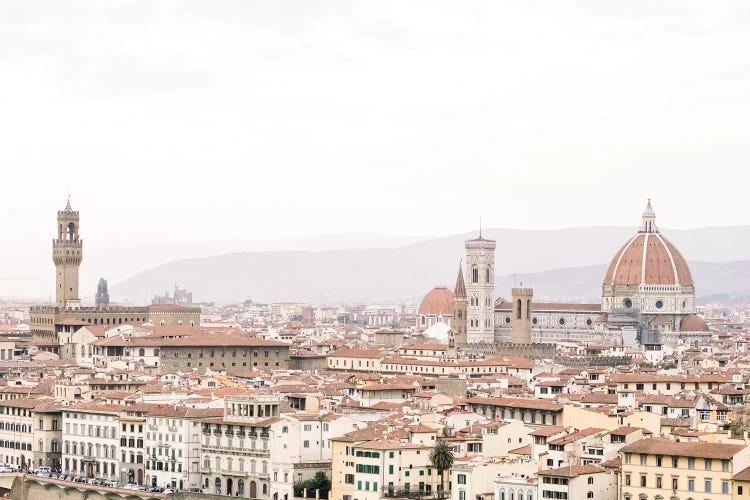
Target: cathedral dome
x=648, y=259
x=439, y=301
x=693, y=323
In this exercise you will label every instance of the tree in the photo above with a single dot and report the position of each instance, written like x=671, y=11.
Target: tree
x=441, y=458
x=319, y=482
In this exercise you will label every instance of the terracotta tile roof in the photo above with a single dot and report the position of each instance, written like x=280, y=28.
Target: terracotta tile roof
x=743, y=475
x=657, y=446
x=523, y=450
x=547, y=431
x=599, y=398
x=572, y=471
x=575, y=436
x=627, y=429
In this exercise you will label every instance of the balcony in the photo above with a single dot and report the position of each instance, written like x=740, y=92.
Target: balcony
x=172, y=428
x=217, y=432
x=153, y=427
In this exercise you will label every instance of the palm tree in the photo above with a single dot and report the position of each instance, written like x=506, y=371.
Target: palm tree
x=441, y=458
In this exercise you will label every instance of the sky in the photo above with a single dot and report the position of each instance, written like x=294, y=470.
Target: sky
x=197, y=121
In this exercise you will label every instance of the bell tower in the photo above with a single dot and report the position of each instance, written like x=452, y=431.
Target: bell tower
x=521, y=326
x=67, y=253
x=480, y=290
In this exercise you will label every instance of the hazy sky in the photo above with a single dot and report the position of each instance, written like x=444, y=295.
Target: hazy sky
x=265, y=119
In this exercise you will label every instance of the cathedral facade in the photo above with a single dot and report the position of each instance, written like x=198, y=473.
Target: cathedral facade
x=648, y=298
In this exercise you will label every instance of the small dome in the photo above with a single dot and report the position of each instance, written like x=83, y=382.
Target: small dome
x=438, y=301
x=693, y=323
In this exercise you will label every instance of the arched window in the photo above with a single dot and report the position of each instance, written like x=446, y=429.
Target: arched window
x=54, y=446
x=474, y=274
x=141, y=352
x=518, y=309
x=265, y=489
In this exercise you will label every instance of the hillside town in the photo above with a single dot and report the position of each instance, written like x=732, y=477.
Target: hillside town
x=472, y=394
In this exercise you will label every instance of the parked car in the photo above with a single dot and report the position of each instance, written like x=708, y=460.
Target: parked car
x=5, y=468
x=131, y=486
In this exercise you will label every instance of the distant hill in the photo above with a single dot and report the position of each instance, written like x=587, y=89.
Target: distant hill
x=566, y=264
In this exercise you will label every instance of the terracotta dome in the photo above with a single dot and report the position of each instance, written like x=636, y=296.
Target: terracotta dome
x=693, y=323
x=438, y=301
x=648, y=259
x=664, y=265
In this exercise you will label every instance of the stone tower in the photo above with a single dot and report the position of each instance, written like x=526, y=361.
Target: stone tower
x=457, y=337
x=67, y=253
x=521, y=319
x=480, y=290
x=102, y=293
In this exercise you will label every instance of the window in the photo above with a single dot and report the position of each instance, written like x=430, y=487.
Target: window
x=644, y=459
x=643, y=480
x=691, y=484
x=627, y=479
x=674, y=483
x=461, y=479
x=658, y=460
x=591, y=480
x=707, y=463
x=306, y=444
x=658, y=481
x=691, y=463
x=675, y=462
x=627, y=458
x=707, y=485
x=725, y=487
x=725, y=465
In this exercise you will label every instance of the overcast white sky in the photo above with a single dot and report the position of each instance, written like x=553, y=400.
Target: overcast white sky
x=266, y=119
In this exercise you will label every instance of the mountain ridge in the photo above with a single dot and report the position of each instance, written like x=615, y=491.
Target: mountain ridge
x=558, y=260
